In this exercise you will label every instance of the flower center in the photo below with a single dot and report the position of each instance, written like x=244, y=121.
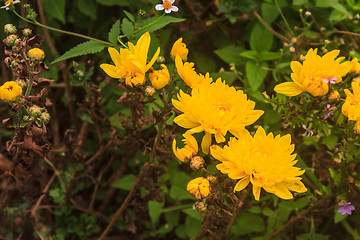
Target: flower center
x=10, y=88
x=167, y=4
x=224, y=107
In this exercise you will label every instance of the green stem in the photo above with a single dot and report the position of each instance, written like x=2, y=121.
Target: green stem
x=61, y=31
x=350, y=230
x=31, y=70
x=142, y=28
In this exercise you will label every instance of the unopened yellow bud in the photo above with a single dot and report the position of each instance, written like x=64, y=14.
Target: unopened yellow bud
x=36, y=54
x=150, y=91
x=199, y=187
x=334, y=96
x=196, y=163
x=159, y=78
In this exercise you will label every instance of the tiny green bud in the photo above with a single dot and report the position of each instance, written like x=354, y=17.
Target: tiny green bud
x=27, y=32
x=34, y=111
x=160, y=59
x=10, y=40
x=150, y=91
x=212, y=179
x=9, y=29
x=201, y=207
x=45, y=117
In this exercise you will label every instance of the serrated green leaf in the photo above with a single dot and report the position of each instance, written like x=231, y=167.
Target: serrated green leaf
x=150, y=25
x=155, y=210
x=82, y=49
x=55, y=8
x=114, y=32
x=255, y=74
x=125, y=183
x=127, y=27
x=130, y=16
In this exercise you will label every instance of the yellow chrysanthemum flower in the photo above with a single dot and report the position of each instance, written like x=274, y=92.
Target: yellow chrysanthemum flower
x=188, y=74
x=189, y=150
x=355, y=66
x=315, y=74
x=10, y=91
x=263, y=160
x=179, y=48
x=199, y=187
x=130, y=64
x=351, y=106
x=159, y=78
x=215, y=109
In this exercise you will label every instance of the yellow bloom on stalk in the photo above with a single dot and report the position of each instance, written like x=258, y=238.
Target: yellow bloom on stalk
x=179, y=48
x=130, y=64
x=215, y=109
x=315, y=74
x=10, y=91
x=189, y=150
x=199, y=187
x=159, y=78
x=187, y=73
x=351, y=107
x=355, y=66
x=263, y=160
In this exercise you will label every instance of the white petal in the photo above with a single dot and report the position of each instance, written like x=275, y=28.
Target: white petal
x=174, y=8
x=168, y=10
x=172, y=1
x=159, y=7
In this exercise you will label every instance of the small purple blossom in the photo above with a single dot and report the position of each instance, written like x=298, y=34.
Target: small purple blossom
x=308, y=132
x=331, y=111
x=330, y=80
x=346, y=208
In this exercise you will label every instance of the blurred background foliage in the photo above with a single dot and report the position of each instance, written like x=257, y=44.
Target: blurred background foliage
x=249, y=44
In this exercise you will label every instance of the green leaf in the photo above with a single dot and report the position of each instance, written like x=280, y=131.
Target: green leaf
x=230, y=54
x=300, y=2
x=255, y=74
x=127, y=27
x=339, y=216
x=130, y=16
x=192, y=226
x=155, y=210
x=269, y=12
x=261, y=39
x=154, y=23
x=114, y=32
x=82, y=49
x=125, y=183
x=266, y=56
x=88, y=8
x=330, y=141
x=253, y=55
x=247, y=223
x=55, y=8
x=332, y=3
x=193, y=213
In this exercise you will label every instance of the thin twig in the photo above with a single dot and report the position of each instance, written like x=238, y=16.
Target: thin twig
x=99, y=152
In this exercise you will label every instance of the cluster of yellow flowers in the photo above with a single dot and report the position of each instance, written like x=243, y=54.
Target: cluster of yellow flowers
x=220, y=111
x=317, y=73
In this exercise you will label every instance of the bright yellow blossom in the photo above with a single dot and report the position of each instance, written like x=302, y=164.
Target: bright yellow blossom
x=179, y=48
x=351, y=107
x=10, y=91
x=130, y=64
x=36, y=54
x=159, y=78
x=215, y=109
x=355, y=66
x=199, y=187
x=188, y=74
x=315, y=74
x=189, y=150
x=263, y=160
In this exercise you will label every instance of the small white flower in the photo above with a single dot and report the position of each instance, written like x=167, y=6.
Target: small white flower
x=7, y=3
x=167, y=5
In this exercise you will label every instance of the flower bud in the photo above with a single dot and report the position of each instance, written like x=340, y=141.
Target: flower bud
x=27, y=32
x=10, y=40
x=179, y=48
x=159, y=78
x=150, y=91
x=199, y=187
x=160, y=59
x=45, y=117
x=212, y=178
x=196, y=163
x=334, y=96
x=34, y=111
x=201, y=206
x=9, y=29
x=36, y=54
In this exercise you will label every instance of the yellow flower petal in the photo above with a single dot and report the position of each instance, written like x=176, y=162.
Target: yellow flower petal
x=288, y=88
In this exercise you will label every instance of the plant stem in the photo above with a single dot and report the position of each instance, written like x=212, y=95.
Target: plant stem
x=31, y=69
x=142, y=28
x=61, y=31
